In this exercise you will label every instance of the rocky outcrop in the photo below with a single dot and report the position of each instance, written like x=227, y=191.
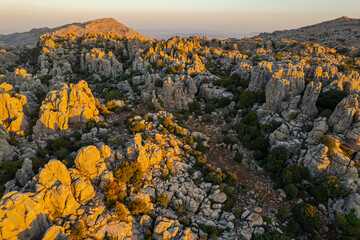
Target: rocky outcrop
x=344, y=114
x=74, y=104
x=308, y=101
x=284, y=84
x=101, y=63
x=260, y=75
x=176, y=93
x=6, y=149
x=13, y=110
x=321, y=162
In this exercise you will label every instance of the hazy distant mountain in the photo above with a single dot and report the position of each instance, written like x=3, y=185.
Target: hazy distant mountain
x=103, y=25
x=333, y=33
x=169, y=33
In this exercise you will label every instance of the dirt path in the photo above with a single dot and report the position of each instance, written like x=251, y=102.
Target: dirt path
x=254, y=187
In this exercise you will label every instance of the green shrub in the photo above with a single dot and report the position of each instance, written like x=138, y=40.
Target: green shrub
x=62, y=153
x=78, y=233
x=224, y=102
x=162, y=200
x=299, y=172
x=329, y=99
x=261, y=144
x=238, y=157
x=137, y=127
x=306, y=215
x=121, y=212
x=159, y=83
x=139, y=206
x=113, y=193
x=114, y=94
x=129, y=173
x=326, y=113
x=276, y=161
x=291, y=191
x=194, y=106
x=330, y=142
x=328, y=187
x=282, y=214
x=349, y=224
x=247, y=99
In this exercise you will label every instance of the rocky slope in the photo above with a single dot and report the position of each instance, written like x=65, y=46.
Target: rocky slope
x=103, y=25
x=339, y=32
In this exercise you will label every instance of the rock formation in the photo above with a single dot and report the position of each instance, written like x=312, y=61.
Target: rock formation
x=74, y=104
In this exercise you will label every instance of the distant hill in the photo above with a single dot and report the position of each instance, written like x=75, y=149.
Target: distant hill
x=103, y=25
x=342, y=31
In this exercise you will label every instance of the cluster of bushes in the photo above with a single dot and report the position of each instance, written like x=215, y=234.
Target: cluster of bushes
x=349, y=225
x=328, y=187
x=330, y=99
x=231, y=83
x=248, y=98
x=249, y=132
x=8, y=170
x=116, y=191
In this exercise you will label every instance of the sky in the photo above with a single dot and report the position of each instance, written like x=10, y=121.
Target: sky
x=170, y=16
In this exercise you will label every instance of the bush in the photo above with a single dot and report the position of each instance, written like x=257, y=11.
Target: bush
x=282, y=214
x=247, y=99
x=139, y=206
x=194, y=106
x=162, y=200
x=121, y=212
x=224, y=102
x=129, y=173
x=329, y=99
x=326, y=113
x=275, y=161
x=113, y=193
x=159, y=83
x=291, y=191
x=329, y=187
x=349, y=224
x=62, y=153
x=306, y=215
x=330, y=142
x=261, y=144
x=114, y=94
x=137, y=127
x=78, y=233
x=238, y=157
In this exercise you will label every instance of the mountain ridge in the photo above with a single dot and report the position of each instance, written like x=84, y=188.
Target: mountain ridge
x=103, y=25
x=331, y=33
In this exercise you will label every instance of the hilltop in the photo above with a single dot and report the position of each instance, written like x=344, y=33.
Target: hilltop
x=342, y=31
x=103, y=25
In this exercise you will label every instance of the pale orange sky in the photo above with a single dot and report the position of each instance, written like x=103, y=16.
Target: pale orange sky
x=226, y=16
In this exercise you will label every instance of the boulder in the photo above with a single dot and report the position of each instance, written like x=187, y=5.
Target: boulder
x=74, y=104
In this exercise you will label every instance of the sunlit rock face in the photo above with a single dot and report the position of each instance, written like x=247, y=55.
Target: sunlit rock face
x=104, y=64
x=74, y=104
x=13, y=110
x=53, y=193
x=284, y=84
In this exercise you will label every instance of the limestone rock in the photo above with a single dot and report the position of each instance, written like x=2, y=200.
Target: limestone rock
x=309, y=99
x=5, y=148
x=13, y=111
x=104, y=64
x=176, y=94
x=89, y=162
x=74, y=104
x=320, y=127
x=344, y=114
x=284, y=84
